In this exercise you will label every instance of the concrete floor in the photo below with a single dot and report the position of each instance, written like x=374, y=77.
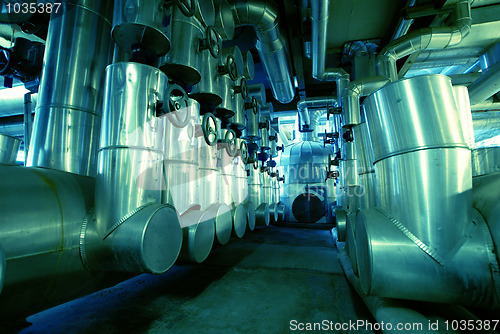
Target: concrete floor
x=257, y=284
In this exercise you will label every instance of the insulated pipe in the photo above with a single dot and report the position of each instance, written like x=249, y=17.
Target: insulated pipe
x=486, y=86
x=431, y=38
x=468, y=279
x=314, y=103
x=270, y=45
x=12, y=101
x=387, y=311
x=42, y=214
x=403, y=24
x=2, y=268
x=319, y=18
x=9, y=146
x=68, y=115
x=352, y=93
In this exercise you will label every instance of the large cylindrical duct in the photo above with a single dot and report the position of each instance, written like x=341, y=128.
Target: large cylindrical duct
x=461, y=95
x=129, y=219
x=131, y=148
x=9, y=146
x=190, y=40
x=67, y=122
x=181, y=157
x=485, y=161
x=198, y=235
x=42, y=214
x=270, y=45
x=365, y=169
x=423, y=161
x=466, y=279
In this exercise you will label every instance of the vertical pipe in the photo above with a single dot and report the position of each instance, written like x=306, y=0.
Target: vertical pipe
x=68, y=114
x=28, y=124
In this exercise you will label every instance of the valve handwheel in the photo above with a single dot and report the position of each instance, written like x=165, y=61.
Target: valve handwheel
x=178, y=112
x=231, y=143
x=209, y=127
x=186, y=8
x=212, y=41
x=244, y=152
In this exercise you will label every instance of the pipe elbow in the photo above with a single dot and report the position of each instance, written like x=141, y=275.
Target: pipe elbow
x=260, y=14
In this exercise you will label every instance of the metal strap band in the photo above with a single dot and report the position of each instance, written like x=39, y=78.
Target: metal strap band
x=124, y=219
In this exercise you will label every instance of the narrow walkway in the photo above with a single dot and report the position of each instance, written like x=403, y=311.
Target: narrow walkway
x=258, y=284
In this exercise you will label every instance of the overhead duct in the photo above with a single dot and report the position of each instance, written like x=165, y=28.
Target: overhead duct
x=431, y=38
x=489, y=82
x=68, y=115
x=12, y=101
x=319, y=18
x=270, y=44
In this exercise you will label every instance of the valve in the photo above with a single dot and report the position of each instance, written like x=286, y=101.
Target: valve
x=242, y=89
x=271, y=163
x=333, y=111
x=244, y=152
x=330, y=138
x=229, y=143
x=253, y=105
x=348, y=136
x=281, y=178
x=210, y=42
x=264, y=125
x=229, y=68
x=209, y=127
x=280, y=148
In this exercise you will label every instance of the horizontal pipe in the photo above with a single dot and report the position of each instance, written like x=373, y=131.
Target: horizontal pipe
x=270, y=45
x=390, y=312
x=12, y=101
x=431, y=38
x=464, y=79
x=316, y=106
x=486, y=86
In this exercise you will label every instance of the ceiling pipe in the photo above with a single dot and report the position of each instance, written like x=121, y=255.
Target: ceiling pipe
x=431, y=38
x=403, y=24
x=486, y=86
x=305, y=106
x=270, y=44
x=319, y=18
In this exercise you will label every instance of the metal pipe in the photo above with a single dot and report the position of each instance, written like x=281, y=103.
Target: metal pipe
x=310, y=110
x=198, y=236
x=464, y=79
x=487, y=105
x=271, y=46
x=390, y=312
x=486, y=86
x=352, y=93
x=42, y=214
x=12, y=101
x=9, y=146
x=68, y=114
x=28, y=124
x=403, y=24
x=467, y=279
x=319, y=18
x=431, y=38
x=130, y=166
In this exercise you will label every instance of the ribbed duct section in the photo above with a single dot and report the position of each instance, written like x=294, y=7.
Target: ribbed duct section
x=270, y=44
